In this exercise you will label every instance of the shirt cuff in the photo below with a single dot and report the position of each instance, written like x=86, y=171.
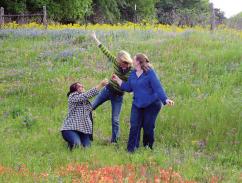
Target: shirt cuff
x=164, y=101
x=122, y=86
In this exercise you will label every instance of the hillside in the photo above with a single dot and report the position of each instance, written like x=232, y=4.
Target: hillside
x=200, y=137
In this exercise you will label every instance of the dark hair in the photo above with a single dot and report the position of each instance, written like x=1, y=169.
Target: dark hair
x=144, y=61
x=73, y=88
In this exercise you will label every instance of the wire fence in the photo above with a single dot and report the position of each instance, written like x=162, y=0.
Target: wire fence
x=24, y=18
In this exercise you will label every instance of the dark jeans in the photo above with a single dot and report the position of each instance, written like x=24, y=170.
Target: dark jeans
x=116, y=101
x=76, y=138
x=143, y=118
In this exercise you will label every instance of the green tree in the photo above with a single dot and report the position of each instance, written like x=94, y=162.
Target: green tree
x=145, y=9
x=112, y=11
x=14, y=6
x=105, y=11
x=220, y=18
x=235, y=21
x=182, y=12
x=53, y=8
x=58, y=10
x=74, y=10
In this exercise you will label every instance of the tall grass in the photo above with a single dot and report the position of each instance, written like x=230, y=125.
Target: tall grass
x=200, y=137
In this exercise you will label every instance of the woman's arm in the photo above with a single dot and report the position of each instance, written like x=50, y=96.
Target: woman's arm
x=123, y=85
x=157, y=88
x=81, y=97
x=106, y=52
x=93, y=35
x=101, y=84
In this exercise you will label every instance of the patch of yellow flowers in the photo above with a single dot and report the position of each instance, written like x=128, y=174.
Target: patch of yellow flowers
x=126, y=26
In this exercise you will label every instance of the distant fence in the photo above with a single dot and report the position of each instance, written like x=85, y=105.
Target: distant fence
x=26, y=18
x=23, y=18
x=212, y=18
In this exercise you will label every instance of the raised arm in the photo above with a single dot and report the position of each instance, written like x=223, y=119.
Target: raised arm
x=81, y=97
x=94, y=37
x=106, y=52
x=157, y=87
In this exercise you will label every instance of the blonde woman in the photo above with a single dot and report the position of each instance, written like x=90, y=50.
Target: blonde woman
x=122, y=65
x=148, y=96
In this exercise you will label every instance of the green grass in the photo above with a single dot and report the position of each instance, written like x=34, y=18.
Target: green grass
x=199, y=137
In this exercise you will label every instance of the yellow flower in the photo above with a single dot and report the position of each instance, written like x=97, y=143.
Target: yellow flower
x=144, y=25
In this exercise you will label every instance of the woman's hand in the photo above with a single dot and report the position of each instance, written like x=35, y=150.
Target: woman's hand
x=93, y=35
x=117, y=79
x=102, y=84
x=170, y=102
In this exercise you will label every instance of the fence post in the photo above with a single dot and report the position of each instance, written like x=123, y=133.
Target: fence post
x=85, y=17
x=135, y=18
x=21, y=19
x=212, y=17
x=1, y=16
x=45, y=17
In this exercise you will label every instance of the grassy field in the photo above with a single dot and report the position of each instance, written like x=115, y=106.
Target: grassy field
x=199, y=138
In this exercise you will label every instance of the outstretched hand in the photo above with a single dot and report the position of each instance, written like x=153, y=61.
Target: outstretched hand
x=104, y=82
x=93, y=35
x=169, y=102
x=101, y=84
x=117, y=79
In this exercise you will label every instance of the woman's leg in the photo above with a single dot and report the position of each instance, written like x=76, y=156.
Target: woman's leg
x=102, y=97
x=140, y=128
x=116, y=102
x=150, y=114
x=135, y=122
x=72, y=137
x=85, y=139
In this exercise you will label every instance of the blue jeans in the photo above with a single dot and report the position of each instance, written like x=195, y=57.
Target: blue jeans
x=76, y=138
x=116, y=101
x=143, y=118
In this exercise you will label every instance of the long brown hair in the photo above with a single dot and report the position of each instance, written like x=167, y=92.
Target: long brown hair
x=144, y=61
x=73, y=88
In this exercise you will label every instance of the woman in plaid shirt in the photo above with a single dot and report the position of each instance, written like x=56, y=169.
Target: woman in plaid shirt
x=77, y=128
x=122, y=65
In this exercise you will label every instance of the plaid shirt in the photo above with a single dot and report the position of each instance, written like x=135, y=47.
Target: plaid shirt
x=79, y=109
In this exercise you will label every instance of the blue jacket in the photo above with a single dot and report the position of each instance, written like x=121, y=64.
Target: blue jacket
x=147, y=88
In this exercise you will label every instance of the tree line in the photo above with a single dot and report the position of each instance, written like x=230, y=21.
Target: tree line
x=235, y=21
x=179, y=12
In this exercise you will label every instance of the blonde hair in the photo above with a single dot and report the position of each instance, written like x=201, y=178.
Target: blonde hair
x=124, y=56
x=144, y=61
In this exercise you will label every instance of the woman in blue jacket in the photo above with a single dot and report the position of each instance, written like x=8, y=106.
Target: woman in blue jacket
x=148, y=95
